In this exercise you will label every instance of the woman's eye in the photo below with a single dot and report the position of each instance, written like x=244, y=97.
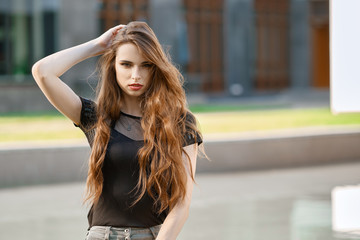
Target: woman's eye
x=147, y=65
x=125, y=64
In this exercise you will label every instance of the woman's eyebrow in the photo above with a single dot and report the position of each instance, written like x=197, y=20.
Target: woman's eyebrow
x=125, y=61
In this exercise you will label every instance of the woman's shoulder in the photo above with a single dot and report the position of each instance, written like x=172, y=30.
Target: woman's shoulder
x=189, y=117
x=192, y=134
x=88, y=113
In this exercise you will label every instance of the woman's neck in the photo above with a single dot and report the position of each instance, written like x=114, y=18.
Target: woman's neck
x=131, y=106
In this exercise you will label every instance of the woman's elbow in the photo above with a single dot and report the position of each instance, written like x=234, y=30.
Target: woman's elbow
x=38, y=72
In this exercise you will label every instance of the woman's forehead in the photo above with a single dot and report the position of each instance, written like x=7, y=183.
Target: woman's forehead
x=129, y=52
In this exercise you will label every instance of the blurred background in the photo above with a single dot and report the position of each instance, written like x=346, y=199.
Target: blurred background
x=257, y=78
x=224, y=48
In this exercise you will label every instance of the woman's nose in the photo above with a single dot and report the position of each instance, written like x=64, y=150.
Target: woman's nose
x=136, y=73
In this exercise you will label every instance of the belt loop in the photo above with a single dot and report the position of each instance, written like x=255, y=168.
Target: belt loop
x=107, y=233
x=155, y=230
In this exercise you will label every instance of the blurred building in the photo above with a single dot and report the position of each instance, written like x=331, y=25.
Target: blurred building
x=223, y=47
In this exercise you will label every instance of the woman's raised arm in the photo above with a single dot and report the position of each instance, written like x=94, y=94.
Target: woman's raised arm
x=48, y=70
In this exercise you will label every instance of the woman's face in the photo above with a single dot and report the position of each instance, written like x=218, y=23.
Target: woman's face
x=132, y=70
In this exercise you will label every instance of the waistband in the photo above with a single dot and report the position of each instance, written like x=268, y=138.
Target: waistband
x=126, y=232
x=122, y=229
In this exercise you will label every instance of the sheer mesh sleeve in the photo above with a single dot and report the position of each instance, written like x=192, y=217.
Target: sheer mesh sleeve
x=87, y=118
x=191, y=136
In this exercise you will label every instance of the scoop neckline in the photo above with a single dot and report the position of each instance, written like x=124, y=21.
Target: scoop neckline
x=119, y=133
x=130, y=116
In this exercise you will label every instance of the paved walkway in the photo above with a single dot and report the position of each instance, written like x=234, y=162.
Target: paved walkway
x=287, y=204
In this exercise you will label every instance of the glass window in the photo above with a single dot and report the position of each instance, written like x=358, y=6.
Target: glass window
x=27, y=33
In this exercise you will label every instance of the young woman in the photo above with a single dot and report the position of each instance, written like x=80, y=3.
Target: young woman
x=144, y=141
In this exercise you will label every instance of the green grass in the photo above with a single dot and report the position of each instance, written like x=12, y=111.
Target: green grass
x=36, y=126
x=272, y=119
x=213, y=119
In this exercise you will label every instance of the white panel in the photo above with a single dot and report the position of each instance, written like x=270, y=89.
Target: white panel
x=346, y=209
x=345, y=55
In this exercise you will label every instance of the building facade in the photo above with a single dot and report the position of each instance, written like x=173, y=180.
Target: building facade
x=223, y=47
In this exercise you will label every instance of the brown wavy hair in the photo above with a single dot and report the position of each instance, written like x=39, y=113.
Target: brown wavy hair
x=164, y=112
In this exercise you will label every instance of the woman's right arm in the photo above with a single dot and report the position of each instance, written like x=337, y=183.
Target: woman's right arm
x=48, y=70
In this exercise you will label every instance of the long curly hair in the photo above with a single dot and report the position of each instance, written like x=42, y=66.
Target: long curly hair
x=164, y=111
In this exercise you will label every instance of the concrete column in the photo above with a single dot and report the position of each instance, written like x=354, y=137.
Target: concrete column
x=166, y=19
x=239, y=41
x=299, y=44
x=78, y=23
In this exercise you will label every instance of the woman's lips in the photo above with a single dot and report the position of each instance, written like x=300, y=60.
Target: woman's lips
x=135, y=86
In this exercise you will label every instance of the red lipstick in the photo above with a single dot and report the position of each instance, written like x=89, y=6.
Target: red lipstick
x=135, y=86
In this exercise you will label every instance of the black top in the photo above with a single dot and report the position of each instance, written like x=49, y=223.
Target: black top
x=120, y=172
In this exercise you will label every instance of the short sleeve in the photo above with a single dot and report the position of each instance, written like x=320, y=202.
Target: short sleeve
x=191, y=136
x=87, y=118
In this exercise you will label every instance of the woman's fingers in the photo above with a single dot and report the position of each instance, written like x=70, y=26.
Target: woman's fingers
x=106, y=39
x=117, y=28
x=114, y=31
